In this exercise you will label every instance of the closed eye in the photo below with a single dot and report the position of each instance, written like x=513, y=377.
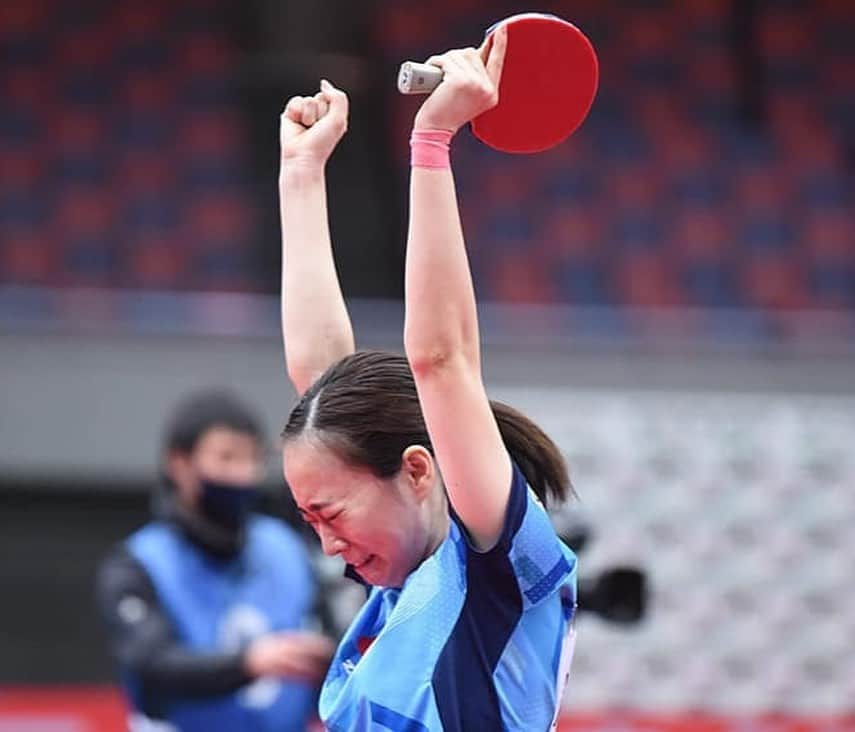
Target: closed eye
x=311, y=520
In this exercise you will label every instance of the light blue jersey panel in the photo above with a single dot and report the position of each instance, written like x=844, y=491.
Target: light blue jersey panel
x=542, y=645
x=472, y=641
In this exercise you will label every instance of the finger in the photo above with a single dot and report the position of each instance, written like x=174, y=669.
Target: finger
x=471, y=59
x=316, y=646
x=294, y=109
x=310, y=112
x=484, y=48
x=496, y=57
x=338, y=103
x=298, y=670
x=438, y=60
x=305, y=664
x=453, y=65
x=472, y=56
x=296, y=663
x=446, y=61
x=323, y=105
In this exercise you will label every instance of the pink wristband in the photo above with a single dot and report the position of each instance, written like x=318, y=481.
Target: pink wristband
x=430, y=149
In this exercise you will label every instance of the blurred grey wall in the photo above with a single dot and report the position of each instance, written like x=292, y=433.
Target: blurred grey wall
x=88, y=403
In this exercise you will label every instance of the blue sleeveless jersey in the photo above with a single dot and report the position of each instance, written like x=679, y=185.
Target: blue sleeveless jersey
x=472, y=642
x=218, y=605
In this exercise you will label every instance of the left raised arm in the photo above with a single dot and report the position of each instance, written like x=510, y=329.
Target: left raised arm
x=441, y=327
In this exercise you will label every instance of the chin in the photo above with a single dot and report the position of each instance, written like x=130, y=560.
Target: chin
x=380, y=573
x=394, y=579
x=382, y=577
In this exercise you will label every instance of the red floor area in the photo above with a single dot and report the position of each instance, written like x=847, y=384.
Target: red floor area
x=73, y=708
x=101, y=709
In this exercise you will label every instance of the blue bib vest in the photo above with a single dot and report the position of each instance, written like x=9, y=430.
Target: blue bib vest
x=218, y=605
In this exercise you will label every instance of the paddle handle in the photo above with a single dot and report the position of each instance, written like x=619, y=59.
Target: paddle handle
x=416, y=78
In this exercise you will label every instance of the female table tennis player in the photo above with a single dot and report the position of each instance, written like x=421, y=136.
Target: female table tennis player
x=431, y=493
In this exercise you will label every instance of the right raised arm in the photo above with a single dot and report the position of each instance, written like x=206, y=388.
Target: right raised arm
x=316, y=328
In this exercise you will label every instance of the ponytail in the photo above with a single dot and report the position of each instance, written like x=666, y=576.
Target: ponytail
x=536, y=455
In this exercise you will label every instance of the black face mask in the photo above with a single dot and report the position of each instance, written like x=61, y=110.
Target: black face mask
x=226, y=504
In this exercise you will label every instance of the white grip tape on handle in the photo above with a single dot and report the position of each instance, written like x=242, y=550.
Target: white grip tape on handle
x=416, y=78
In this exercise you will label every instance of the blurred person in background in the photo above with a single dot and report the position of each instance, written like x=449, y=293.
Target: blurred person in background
x=430, y=492
x=207, y=605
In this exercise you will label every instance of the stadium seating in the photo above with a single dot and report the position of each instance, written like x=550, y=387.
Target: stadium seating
x=121, y=149
x=123, y=162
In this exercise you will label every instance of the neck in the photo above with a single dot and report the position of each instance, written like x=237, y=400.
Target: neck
x=440, y=522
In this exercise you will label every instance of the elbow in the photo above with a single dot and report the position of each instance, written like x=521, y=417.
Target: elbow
x=439, y=343
x=425, y=351
x=424, y=361
x=440, y=356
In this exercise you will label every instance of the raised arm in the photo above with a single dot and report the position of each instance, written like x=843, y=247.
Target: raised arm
x=441, y=327
x=316, y=328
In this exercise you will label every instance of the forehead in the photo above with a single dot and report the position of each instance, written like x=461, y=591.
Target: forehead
x=315, y=474
x=220, y=438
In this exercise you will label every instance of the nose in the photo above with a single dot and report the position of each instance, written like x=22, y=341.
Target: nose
x=330, y=543
x=244, y=472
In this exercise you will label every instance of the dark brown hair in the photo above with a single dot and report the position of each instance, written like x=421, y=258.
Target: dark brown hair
x=366, y=409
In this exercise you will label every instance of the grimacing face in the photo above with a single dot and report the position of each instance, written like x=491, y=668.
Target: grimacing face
x=382, y=527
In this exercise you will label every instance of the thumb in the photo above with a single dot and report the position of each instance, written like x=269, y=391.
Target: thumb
x=495, y=53
x=337, y=100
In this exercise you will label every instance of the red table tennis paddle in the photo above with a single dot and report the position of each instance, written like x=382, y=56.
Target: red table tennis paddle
x=548, y=84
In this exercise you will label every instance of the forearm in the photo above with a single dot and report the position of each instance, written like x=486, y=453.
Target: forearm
x=441, y=319
x=142, y=639
x=316, y=327
x=178, y=671
x=441, y=336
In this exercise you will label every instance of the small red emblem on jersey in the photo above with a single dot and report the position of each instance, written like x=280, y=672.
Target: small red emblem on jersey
x=363, y=643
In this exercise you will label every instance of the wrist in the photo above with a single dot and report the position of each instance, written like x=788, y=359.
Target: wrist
x=250, y=662
x=301, y=171
x=424, y=122
x=428, y=127
x=430, y=148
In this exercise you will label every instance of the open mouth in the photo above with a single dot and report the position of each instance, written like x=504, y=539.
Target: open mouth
x=364, y=563
x=364, y=566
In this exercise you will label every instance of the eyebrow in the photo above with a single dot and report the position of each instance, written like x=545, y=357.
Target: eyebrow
x=315, y=507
